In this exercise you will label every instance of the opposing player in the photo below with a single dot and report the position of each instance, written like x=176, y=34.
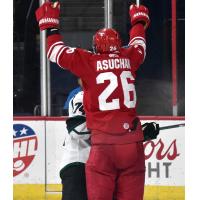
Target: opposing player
x=116, y=162
x=76, y=150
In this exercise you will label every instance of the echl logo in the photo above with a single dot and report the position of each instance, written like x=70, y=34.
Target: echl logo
x=25, y=145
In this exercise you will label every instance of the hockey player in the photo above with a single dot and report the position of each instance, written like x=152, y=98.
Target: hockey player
x=116, y=161
x=76, y=150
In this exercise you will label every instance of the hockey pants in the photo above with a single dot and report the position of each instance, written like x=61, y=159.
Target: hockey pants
x=116, y=172
x=73, y=182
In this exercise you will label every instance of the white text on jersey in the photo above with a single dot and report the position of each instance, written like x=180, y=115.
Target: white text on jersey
x=117, y=63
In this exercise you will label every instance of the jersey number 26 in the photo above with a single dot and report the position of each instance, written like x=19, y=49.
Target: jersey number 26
x=127, y=89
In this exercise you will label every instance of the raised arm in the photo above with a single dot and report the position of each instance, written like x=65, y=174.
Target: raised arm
x=139, y=16
x=73, y=59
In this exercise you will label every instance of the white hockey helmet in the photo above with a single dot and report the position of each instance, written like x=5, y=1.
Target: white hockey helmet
x=76, y=105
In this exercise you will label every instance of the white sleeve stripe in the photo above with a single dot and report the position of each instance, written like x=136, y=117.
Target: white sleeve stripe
x=58, y=55
x=54, y=52
x=136, y=38
x=141, y=43
x=52, y=46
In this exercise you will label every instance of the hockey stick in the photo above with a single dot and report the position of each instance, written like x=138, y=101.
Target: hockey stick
x=172, y=126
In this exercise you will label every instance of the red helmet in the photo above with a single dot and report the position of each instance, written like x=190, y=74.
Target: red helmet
x=106, y=40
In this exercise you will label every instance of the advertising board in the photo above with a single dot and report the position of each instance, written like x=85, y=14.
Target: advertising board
x=37, y=154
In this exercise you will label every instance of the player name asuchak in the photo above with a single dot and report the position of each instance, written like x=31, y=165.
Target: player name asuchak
x=117, y=63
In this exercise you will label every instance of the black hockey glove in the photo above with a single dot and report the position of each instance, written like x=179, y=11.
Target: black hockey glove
x=150, y=131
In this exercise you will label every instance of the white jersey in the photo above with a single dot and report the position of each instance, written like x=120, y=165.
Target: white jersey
x=76, y=146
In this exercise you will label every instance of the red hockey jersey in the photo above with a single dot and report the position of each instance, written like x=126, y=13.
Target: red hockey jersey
x=108, y=82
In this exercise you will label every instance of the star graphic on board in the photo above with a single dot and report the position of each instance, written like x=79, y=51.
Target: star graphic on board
x=23, y=131
x=14, y=132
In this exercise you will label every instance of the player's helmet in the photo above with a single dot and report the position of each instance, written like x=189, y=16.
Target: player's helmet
x=76, y=105
x=106, y=40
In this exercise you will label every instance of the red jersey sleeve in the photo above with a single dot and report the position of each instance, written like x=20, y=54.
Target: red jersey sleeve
x=136, y=50
x=73, y=59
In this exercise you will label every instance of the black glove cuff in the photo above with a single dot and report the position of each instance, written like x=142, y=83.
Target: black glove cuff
x=52, y=31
